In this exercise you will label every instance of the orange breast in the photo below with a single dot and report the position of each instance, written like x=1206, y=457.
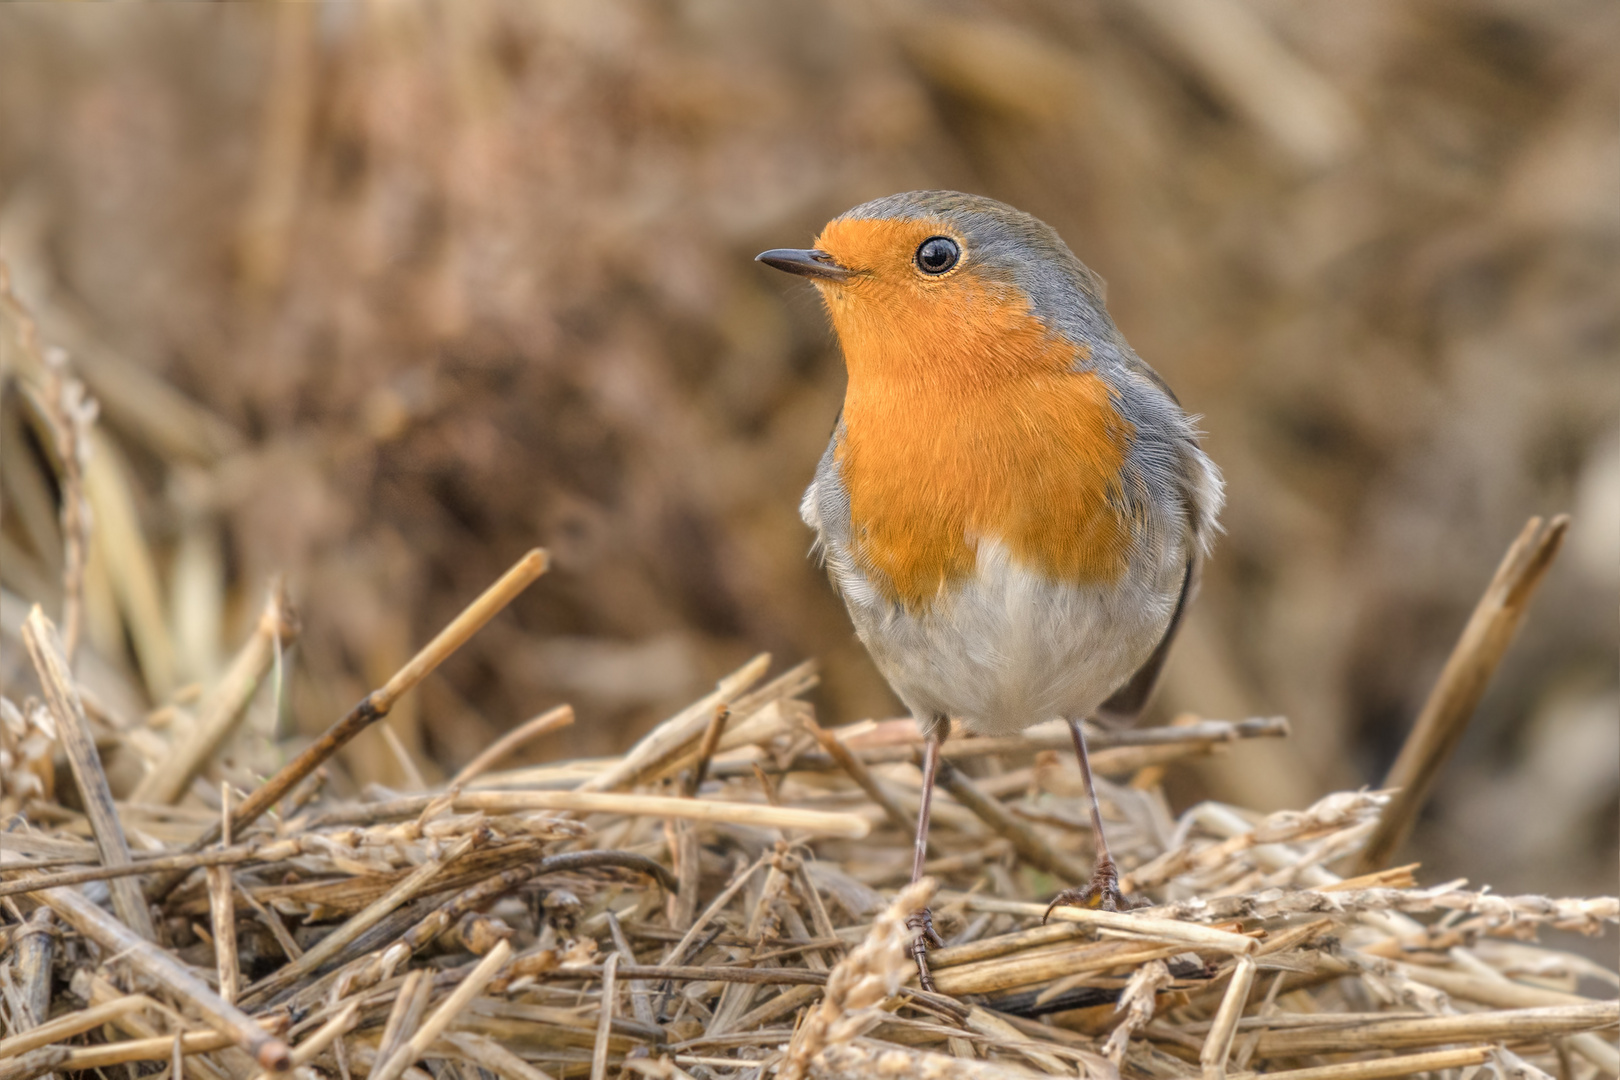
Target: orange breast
x=979, y=433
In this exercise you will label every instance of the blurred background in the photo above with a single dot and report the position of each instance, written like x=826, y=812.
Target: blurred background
x=377, y=296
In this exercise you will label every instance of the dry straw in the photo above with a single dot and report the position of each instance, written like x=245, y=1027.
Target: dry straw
x=729, y=897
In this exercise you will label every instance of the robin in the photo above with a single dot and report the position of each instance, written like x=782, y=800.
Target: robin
x=1013, y=505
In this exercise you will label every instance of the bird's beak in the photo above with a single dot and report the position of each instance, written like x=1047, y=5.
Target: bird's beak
x=806, y=262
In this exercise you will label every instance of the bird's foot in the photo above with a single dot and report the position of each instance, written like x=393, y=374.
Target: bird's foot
x=921, y=924
x=1101, y=893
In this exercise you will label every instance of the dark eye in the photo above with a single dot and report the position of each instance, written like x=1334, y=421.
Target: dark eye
x=937, y=254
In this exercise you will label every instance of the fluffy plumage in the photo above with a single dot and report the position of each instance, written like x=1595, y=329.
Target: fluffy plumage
x=1013, y=505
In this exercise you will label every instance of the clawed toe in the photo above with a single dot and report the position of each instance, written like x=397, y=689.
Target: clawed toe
x=921, y=923
x=1101, y=893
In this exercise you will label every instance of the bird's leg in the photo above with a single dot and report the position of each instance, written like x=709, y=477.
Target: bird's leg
x=1102, y=891
x=921, y=923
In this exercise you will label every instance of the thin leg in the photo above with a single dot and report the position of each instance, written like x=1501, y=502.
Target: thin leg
x=1103, y=889
x=1078, y=733
x=921, y=922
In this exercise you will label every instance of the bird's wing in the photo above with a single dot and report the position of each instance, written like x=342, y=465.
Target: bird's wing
x=1126, y=704
x=1143, y=368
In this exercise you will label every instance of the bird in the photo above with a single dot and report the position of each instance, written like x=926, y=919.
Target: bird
x=1013, y=506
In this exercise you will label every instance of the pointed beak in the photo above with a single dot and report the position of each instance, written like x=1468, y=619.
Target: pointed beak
x=812, y=263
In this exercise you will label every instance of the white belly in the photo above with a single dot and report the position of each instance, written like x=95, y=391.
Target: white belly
x=1009, y=648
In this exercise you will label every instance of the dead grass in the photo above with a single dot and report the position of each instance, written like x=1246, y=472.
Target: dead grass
x=725, y=899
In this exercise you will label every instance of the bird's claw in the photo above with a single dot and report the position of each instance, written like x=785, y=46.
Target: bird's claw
x=921, y=924
x=1101, y=893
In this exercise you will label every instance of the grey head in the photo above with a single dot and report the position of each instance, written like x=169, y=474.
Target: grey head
x=1005, y=244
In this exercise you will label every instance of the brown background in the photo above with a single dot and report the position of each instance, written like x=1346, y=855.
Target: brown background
x=453, y=280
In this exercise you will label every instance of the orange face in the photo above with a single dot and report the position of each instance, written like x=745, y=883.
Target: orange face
x=965, y=421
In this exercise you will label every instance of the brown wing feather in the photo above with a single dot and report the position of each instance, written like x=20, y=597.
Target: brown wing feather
x=1126, y=704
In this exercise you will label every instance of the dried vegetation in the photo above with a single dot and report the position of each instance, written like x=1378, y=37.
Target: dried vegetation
x=377, y=297
x=384, y=315
x=721, y=899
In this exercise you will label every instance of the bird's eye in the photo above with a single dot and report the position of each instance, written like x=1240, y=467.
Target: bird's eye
x=937, y=254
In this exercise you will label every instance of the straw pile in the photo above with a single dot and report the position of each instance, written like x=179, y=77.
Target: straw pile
x=726, y=899
x=378, y=296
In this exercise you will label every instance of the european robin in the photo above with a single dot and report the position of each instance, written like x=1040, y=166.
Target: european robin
x=1013, y=505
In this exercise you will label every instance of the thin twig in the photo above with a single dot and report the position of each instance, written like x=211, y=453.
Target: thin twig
x=706, y=748
x=546, y=722
x=376, y=704
x=328, y=1033
x=171, y=776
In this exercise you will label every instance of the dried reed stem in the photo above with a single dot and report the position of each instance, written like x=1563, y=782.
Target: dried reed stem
x=699, y=973
x=669, y=738
x=62, y=698
x=35, y=943
x=1034, y=966
x=706, y=749
x=122, y=1053
x=71, y=1024
x=1514, y=1024
x=1008, y=1037
x=324, y=1036
x=1462, y=683
x=256, y=849
x=604, y=1018
x=1218, y=1043
x=1201, y=733
x=1384, y=1068
x=422, y=1038
x=1144, y=926
x=813, y=822
x=170, y=777
x=408, y=1006
x=377, y=704
x=546, y=722
x=222, y=911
